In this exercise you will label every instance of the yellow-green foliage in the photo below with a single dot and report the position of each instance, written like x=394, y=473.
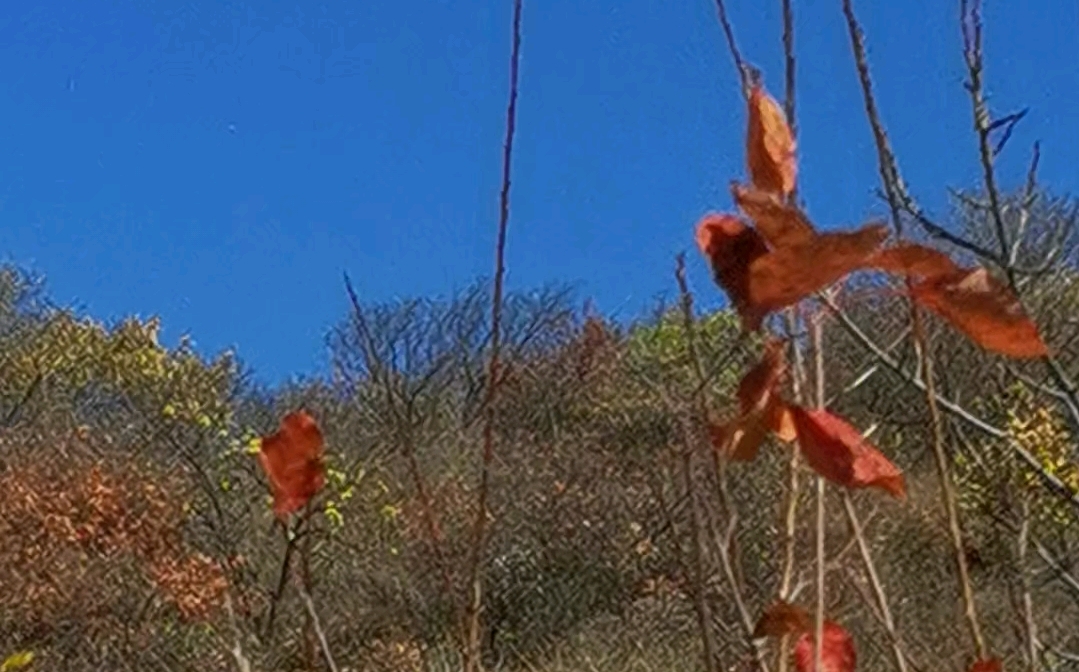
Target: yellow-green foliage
x=1041, y=432
x=64, y=355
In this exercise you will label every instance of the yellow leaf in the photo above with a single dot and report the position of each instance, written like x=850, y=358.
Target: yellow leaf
x=17, y=661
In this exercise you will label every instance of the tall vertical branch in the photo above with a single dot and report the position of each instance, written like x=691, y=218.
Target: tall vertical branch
x=896, y=196
x=479, y=537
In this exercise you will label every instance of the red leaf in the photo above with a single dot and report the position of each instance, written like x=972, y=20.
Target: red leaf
x=915, y=260
x=987, y=665
x=837, y=650
x=731, y=246
x=292, y=460
x=780, y=224
x=838, y=452
x=787, y=275
x=782, y=618
x=770, y=146
x=984, y=309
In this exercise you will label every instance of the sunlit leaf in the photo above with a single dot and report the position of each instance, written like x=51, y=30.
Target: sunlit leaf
x=17, y=661
x=984, y=309
x=293, y=461
x=838, y=452
x=780, y=224
x=787, y=275
x=837, y=650
x=770, y=146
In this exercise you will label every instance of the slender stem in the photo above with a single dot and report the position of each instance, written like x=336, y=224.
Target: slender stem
x=700, y=602
x=472, y=641
x=317, y=625
x=1029, y=623
x=875, y=582
x=818, y=375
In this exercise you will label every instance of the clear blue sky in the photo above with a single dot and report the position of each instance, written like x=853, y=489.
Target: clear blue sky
x=221, y=166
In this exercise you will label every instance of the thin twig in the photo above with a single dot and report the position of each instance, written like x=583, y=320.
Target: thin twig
x=728, y=32
x=817, y=336
x=874, y=581
x=479, y=538
x=313, y=615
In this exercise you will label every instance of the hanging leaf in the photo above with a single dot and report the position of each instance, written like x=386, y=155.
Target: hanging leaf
x=984, y=309
x=761, y=409
x=780, y=224
x=838, y=452
x=770, y=146
x=782, y=618
x=787, y=275
x=986, y=665
x=293, y=461
x=741, y=439
x=915, y=260
x=731, y=246
x=837, y=650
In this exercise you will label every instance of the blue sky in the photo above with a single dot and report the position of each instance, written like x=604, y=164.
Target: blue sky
x=221, y=166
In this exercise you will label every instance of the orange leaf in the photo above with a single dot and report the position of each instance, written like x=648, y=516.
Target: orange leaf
x=838, y=452
x=758, y=387
x=987, y=665
x=761, y=409
x=787, y=275
x=292, y=460
x=837, y=650
x=740, y=439
x=780, y=224
x=731, y=246
x=984, y=309
x=782, y=618
x=913, y=259
x=770, y=147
